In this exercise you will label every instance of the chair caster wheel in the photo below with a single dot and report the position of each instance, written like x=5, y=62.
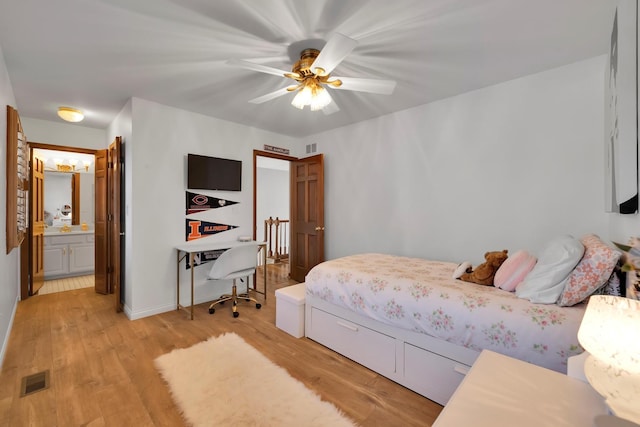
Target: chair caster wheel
x=258, y=305
x=236, y=314
x=212, y=310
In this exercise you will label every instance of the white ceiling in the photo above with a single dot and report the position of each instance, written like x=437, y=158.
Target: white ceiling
x=96, y=54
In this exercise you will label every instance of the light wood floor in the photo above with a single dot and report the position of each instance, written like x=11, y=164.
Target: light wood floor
x=67, y=284
x=102, y=371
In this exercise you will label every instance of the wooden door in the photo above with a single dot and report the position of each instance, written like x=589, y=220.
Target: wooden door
x=36, y=224
x=75, y=199
x=307, y=215
x=101, y=225
x=113, y=220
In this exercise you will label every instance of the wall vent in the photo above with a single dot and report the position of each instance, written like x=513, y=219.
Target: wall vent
x=312, y=148
x=34, y=383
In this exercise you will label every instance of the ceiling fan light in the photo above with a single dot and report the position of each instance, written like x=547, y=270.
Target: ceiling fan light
x=302, y=98
x=296, y=102
x=320, y=99
x=70, y=114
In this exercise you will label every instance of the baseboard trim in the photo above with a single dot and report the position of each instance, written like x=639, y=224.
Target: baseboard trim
x=5, y=341
x=135, y=315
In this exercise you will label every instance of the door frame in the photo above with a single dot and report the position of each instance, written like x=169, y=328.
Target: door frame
x=25, y=282
x=36, y=223
x=115, y=231
x=292, y=160
x=256, y=154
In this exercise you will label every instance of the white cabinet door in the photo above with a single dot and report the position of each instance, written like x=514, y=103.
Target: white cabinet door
x=68, y=255
x=56, y=260
x=81, y=258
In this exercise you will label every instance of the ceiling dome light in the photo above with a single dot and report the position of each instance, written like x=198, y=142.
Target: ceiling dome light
x=70, y=114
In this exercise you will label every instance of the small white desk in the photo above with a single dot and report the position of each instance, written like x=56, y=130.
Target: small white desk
x=191, y=248
x=502, y=391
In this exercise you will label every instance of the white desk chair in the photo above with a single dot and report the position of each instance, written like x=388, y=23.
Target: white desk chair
x=235, y=263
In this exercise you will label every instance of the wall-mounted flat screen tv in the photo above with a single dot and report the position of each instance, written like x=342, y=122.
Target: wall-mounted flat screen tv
x=213, y=173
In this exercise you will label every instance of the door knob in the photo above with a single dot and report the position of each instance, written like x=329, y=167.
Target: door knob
x=319, y=228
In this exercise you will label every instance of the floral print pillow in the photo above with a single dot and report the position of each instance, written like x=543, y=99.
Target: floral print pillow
x=593, y=271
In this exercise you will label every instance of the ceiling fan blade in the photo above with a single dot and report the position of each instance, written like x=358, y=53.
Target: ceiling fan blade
x=257, y=67
x=336, y=49
x=382, y=87
x=270, y=96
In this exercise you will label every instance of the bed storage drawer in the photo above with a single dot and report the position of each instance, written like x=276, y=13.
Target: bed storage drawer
x=363, y=345
x=431, y=374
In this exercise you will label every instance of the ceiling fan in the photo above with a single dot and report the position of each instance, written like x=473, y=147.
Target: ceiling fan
x=312, y=75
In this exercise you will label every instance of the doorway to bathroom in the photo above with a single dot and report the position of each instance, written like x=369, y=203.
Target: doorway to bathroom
x=68, y=203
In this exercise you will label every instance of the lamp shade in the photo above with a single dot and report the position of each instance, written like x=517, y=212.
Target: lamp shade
x=312, y=94
x=321, y=99
x=610, y=332
x=70, y=114
x=302, y=98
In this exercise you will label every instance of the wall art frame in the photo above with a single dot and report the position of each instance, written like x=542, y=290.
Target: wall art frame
x=621, y=112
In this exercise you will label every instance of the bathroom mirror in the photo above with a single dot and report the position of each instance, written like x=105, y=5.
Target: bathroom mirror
x=62, y=199
x=69, y=187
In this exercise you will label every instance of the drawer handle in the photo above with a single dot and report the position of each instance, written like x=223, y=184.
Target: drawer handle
x=348, y=326
x=461, y=369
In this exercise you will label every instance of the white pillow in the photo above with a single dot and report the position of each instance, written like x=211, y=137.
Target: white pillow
x=545, y=282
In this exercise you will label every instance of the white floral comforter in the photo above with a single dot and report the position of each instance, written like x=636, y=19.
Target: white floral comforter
x=421, y=296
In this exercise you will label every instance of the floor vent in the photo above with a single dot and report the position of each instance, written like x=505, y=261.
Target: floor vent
x=34, y=383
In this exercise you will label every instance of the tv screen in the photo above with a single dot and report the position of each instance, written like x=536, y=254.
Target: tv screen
x=212, y=173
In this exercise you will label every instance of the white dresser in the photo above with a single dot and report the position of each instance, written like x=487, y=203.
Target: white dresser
x=68, y=254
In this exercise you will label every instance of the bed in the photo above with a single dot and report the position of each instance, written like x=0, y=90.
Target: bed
x=409, y=320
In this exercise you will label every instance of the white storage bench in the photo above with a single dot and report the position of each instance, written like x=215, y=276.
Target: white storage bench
x=290, y=309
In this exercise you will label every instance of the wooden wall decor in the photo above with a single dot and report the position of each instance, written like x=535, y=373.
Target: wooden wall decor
x=621, y=112
x=17, y=180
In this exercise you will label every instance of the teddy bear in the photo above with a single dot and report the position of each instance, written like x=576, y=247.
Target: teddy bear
x=483, y=273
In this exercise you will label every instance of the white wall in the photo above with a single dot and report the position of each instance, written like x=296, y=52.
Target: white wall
x=87, y=198
x=505, y=167
x=623, y=227
x=161, y=138
x=63, y=134
x=9, y=263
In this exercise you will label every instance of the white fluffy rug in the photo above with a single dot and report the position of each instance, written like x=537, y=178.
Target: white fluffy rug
x=225, y=382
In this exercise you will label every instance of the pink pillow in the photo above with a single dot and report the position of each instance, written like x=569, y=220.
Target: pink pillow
x=593, y=271
x=514, y=270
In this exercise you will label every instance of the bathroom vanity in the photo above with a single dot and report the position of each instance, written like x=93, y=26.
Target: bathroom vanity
x=68, y=253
